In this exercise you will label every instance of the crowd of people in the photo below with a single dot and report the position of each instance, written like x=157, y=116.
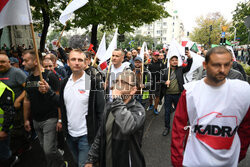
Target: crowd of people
x=100, y=114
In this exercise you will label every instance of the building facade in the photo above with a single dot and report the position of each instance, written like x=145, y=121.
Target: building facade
x=18, y=35
x=165, y=29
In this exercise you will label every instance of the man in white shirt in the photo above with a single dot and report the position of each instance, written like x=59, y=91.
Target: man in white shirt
x=116, y=68
x=81, y=111
x=218, y=113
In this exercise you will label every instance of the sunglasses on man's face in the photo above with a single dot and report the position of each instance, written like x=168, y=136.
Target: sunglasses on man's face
x=123, y=82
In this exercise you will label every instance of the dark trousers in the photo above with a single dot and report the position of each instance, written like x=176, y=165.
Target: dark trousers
x=169, y=99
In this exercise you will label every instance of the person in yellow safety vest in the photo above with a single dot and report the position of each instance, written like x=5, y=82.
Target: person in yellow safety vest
x=7, y=113
x=145, y=85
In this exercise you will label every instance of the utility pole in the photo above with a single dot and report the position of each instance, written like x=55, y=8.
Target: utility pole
x=209, y=40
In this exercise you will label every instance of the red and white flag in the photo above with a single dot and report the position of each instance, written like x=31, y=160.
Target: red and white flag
x=14, y=12
x=108, y=53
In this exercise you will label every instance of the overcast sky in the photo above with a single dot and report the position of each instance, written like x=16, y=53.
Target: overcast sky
x=189, y=10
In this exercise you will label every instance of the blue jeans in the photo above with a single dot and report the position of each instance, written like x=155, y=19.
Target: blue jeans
x=5, y=152
x=169, y=99
x=79, y=148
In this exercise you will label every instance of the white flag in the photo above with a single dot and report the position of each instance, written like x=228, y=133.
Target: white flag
x=102, y=48
x=14, y=12
x=69, y=10
x=143, y=50
x=111, y=48
x=231, y=49
x=176, y=49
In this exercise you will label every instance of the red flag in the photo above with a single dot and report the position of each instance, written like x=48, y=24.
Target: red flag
x=91, y=48
x=104, y=65
x=2, y=4
x=184, y=43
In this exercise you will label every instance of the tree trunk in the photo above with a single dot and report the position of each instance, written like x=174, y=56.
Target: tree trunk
x=94, y=35
x=46, y=23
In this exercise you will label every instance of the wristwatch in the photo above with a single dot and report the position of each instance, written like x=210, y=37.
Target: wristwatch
x=59, y=120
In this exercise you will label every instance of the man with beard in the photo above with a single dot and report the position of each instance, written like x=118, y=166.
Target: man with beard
x=41, y=103
x=217, y=111
x=173, y=86
x=145, y=84
x=155, y=68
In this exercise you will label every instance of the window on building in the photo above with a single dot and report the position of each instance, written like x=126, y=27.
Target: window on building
x=164, y=31
x=164, y=23
x=164, y=38
x=173, y=17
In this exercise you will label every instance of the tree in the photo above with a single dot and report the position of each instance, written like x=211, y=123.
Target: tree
x=124, y=14
x=55, y=35
x=45, y=13
x=240, y=13
x=202, y=32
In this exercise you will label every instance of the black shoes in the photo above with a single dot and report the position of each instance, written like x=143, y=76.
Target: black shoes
x=165, y=132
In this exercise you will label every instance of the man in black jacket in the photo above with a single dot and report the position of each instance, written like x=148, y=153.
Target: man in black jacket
x=155, y=68
x=174, y=86
x=82, y=103
x=117, y=141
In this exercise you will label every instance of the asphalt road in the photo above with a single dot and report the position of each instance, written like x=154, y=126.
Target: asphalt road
x=156, y=148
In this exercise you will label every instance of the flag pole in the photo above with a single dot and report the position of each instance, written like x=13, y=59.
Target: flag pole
x=59, y=39
x=108, y=70
x=168, y=74
x=142, y=71
x=94, y=61
x=35, y=47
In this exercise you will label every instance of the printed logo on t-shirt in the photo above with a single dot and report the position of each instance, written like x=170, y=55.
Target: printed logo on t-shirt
x=216, y=130
x=82, y=91
x=4, y=79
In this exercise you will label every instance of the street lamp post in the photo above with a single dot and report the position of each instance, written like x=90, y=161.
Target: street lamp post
x=234, y=33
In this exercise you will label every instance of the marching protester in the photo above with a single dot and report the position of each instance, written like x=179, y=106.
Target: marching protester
x=82, y=102
x=116, y=68
x=214, y=123
x=59, y=69
x=40, y=103
x=116, y=143
x=15, y=79
x=7, y=112
x=145, y=82
x=173, y=86
x=155, y=67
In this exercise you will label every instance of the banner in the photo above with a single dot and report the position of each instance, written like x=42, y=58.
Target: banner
x=14, y=12
x=69, y=10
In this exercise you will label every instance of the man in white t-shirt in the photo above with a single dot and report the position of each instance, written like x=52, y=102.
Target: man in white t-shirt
x=116, y=68
x=217, y=111
x=82, y=103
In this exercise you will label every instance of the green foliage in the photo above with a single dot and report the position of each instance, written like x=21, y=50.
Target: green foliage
x=55, y=35
x=240, y=13
x=246, y=68
x=52, y=7
x=201, y=33
x=124, y=14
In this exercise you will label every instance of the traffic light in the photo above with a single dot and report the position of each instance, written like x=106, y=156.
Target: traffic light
x=211, y=28
x=223, y=41
x=121, y=38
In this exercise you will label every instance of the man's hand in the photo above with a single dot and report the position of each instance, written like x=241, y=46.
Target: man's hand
x=142, y=86
x=88, y=165
x=187, y=53
x=27, y=125
x=167, y=83
x=43, y=86
x=58, y=126
x=116, y=93
x=17, y=104
x=3, y=135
